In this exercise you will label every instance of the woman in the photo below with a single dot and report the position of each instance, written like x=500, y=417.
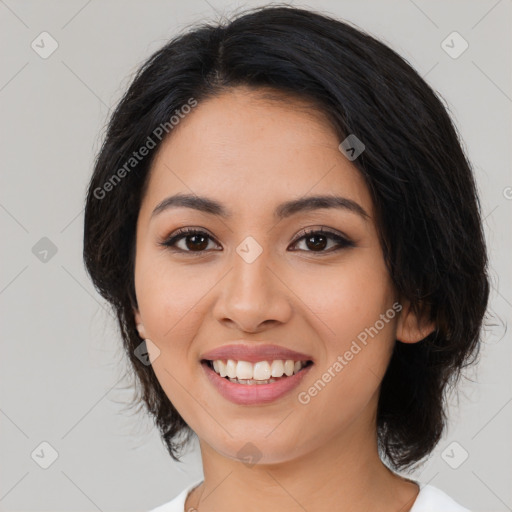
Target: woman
x=288, y=229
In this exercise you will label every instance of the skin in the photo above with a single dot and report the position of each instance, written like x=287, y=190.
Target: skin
x=252, y=154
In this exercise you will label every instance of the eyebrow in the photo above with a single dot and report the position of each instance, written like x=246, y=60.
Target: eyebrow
x=284, y=210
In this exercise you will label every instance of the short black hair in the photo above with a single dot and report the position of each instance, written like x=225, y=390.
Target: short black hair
x=427, y=209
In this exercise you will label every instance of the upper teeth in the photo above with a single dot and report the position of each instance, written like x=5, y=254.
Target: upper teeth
x=262, y=370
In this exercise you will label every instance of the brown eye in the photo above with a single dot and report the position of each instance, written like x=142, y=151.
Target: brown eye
x=317, y=241
x=196, y=242
x=193, y=240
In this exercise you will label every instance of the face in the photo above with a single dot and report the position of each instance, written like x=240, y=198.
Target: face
x=263, y=275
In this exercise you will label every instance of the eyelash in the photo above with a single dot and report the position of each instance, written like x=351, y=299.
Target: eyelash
x=185, y=232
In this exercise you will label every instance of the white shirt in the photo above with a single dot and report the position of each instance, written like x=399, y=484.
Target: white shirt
x=429, y=499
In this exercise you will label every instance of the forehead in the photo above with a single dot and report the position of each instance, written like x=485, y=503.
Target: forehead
x=254, y=151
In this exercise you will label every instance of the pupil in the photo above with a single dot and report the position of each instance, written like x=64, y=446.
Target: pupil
x=320, y=245
x=194, y=244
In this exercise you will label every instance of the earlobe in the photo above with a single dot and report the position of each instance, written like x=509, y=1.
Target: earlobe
x=412, y=327
x=142, y=331
x=139, y=324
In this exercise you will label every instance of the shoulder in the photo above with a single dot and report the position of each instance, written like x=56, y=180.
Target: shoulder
x=178, y=503
x=432, y=499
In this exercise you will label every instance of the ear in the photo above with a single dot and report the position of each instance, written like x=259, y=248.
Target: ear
x=140, y=325
x=412, y=327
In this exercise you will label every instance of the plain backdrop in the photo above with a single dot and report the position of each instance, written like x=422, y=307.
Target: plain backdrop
x=62, y=391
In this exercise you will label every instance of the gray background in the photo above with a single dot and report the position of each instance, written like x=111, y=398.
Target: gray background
x=61, y=364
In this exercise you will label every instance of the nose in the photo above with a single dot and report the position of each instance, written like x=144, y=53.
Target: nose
x=254, y=296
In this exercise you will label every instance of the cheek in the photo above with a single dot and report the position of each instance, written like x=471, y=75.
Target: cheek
x=349, y=297
x=169, y=301
x=355, y=314
x=169, y=297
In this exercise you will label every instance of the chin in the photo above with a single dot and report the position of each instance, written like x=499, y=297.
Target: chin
x=260, y=450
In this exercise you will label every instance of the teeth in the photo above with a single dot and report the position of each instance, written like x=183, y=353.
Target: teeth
x=220, y=368
x=288, y=367
x=244, y=370
x=250, y=382
x=261, y=372
x=231, y=368
x=277, y=368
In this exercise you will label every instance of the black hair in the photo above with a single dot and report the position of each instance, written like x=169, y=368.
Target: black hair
x=427, y=209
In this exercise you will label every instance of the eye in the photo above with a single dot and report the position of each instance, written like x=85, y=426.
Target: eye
x=194, y=240
x=317, y=240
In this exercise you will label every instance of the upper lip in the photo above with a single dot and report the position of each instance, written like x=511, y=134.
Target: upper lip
x=254, y=353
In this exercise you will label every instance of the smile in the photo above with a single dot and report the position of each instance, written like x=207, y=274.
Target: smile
x=261, y=372
x=246, y=383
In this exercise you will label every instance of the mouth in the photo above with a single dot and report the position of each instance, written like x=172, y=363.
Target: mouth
x=254, y=384
x=258, y=373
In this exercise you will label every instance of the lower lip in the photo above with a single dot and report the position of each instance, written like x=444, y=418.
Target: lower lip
x=254, y=394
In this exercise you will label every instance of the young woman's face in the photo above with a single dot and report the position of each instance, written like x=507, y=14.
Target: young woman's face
x=253, y=278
